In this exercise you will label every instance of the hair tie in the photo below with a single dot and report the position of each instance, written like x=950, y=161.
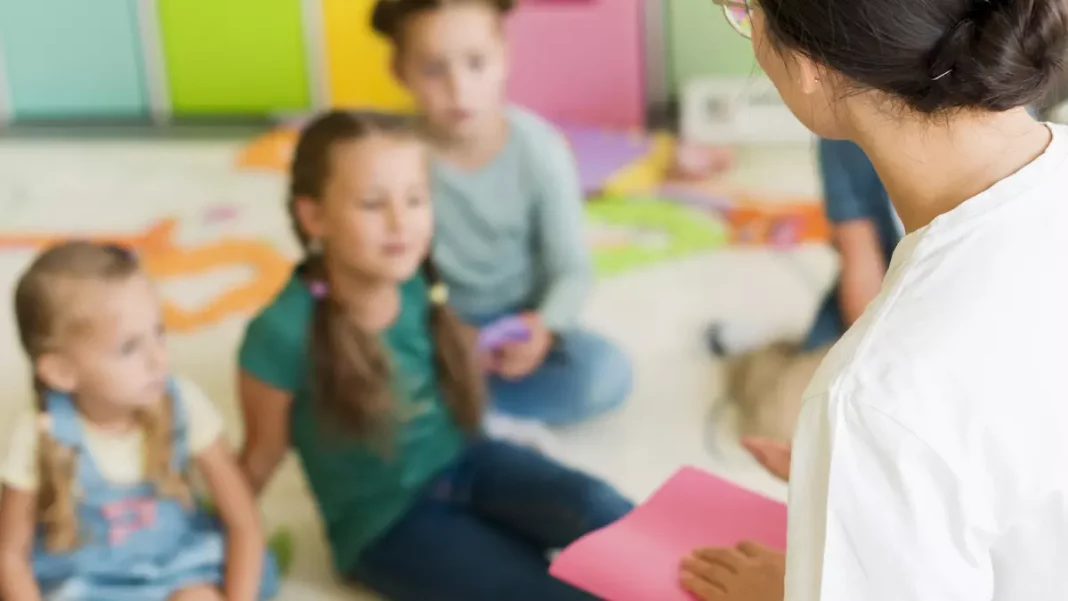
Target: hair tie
x=439, y=293
x=319, y=289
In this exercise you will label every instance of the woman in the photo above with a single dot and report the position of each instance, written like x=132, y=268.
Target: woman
x=931, y=461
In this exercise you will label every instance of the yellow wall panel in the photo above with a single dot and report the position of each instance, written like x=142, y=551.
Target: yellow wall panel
x=357, y=59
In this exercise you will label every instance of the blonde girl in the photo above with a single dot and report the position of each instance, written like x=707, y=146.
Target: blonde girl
x=96, y=501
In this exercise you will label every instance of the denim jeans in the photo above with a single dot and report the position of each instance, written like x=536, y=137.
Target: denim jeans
x=483, y=530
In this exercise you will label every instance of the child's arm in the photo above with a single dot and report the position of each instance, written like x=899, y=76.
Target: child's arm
x=18, y=512
x=17, y=517
x=862, y=267
x=265, y=411
x=212, y=457
x=245, y=542
x=853, y=197
x=562, y=239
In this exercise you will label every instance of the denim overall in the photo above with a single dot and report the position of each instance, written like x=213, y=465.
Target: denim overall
x=134, y=546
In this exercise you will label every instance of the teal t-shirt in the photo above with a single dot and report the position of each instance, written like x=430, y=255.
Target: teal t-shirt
x=359, y=491
x=510, y=235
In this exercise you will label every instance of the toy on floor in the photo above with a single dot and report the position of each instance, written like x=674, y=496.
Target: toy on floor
x=283, y=545
x=501, y=332
x=699, y=162
x=638, y=557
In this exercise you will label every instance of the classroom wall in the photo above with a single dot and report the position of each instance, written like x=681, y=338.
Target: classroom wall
x=580, y=61
x=701, y=43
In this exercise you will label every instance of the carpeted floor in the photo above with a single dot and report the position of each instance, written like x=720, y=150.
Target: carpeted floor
x=218, y=240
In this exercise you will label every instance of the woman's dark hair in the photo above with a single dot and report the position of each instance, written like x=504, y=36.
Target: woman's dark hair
x=935, y=55
x=352, y=379
x=389, y=16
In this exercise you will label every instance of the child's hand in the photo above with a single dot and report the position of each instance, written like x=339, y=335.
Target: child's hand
x=750, y=572
x=517, y=360
x=773, y=455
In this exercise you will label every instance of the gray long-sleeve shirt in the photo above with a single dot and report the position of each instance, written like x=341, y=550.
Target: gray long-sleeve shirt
x=510, y=234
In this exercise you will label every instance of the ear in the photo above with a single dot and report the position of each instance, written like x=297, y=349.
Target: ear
x=395, y=67
x=810, y=75
x=56, y=371
x=309, y=213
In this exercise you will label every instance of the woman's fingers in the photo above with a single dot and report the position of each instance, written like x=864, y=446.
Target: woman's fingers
x=753, y=550
x=730, y=559
x=703, y=589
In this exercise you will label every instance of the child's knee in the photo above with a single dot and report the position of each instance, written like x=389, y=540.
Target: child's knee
x=603, y=504
x=609, y=374
x=198, y=593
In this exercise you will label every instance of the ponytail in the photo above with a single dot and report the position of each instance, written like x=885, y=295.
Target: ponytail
x=56, y=475
x=351, y=372
x=462, y=383
x=157, y=425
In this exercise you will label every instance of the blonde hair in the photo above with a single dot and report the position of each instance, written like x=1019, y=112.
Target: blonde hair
x=47, y=315
x=352, y=378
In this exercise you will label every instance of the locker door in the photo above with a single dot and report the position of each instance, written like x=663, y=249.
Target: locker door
x=234, y=56
x=580, y=61
x=72, y=59
x=358, y=61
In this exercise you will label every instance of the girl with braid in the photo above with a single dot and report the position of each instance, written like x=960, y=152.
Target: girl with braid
x=360, y=365
x=96, y=503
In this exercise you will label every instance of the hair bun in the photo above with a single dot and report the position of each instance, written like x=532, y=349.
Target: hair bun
x=385, y=15
x=1001, y=55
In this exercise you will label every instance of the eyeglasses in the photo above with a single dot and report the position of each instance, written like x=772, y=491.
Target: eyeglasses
x=739, y=15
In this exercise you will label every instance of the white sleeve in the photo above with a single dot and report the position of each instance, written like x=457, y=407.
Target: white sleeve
x=205, y=422
x=19, y=469
x=876, y=514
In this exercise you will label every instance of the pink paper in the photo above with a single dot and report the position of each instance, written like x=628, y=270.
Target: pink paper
x=637, y=558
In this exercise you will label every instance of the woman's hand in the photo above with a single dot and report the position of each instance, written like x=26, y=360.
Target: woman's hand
x=750, y=572
x=773, y=455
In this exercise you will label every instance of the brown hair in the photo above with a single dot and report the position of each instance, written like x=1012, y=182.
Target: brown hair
x=389, y=16
x=352, y=379
x=47, y=315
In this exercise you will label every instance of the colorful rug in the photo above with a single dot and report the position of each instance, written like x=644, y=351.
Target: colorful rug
x=633, y=232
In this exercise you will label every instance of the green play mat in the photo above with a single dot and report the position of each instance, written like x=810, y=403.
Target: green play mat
x=632, y=232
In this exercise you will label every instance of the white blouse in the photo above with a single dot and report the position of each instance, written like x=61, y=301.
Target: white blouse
x=931, y=459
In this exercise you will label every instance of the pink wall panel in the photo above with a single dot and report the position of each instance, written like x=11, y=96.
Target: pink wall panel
x=579, y=61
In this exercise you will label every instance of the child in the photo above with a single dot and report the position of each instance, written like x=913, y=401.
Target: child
x=359, y=364
x=509, y=211
x=767, y=382
x=96, y=505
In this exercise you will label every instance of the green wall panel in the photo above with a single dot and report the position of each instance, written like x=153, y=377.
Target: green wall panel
x=234, y=56
x=702, y=43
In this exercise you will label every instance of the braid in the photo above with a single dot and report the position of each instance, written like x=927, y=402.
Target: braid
x=157, y=426
x=57, y=472
x=351, y=369
x=460, y=380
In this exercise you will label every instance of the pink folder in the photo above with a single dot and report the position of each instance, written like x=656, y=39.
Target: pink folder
x=637, y=558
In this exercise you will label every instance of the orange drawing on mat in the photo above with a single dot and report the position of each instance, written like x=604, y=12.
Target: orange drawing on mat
x=163, y=259
x=270, y=152
x=782, y=222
